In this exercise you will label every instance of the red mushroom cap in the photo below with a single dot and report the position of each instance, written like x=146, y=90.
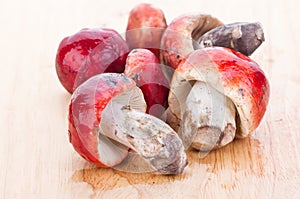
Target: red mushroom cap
x=74, y=51
x=145, y=27
x=143, y=66
x=85, y=109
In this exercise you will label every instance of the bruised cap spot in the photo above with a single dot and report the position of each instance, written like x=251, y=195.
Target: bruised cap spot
x=111, y=82
x=134, y=51
x=241, y=91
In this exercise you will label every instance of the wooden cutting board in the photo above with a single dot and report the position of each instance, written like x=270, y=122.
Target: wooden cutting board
x=37, y=160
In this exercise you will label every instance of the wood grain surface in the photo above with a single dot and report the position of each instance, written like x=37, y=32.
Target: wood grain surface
x=36, y=159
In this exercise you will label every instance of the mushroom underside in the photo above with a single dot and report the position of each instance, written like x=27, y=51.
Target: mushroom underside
x=111, y=151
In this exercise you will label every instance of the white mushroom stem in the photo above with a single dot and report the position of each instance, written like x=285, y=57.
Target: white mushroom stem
x=150, y=137
x=208, y=120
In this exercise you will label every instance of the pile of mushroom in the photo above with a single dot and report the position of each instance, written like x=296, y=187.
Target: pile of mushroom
x=164, y=89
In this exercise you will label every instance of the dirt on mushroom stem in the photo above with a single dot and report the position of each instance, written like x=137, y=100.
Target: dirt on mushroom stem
x=241, y=36
x=156, y=142
x=208, y=121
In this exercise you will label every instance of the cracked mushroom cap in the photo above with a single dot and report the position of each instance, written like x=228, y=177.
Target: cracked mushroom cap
x=178, y=40
x=87, y=104
x=229, y=72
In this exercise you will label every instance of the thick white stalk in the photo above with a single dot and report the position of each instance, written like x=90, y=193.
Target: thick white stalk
x=208, y=120
x=149, y=136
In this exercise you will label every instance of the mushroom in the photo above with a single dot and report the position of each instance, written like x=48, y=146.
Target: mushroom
x=143, y=66
x=179, y=38
x=106, y=118
x=217, y=94
x=73, y=62
x=146, y=24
